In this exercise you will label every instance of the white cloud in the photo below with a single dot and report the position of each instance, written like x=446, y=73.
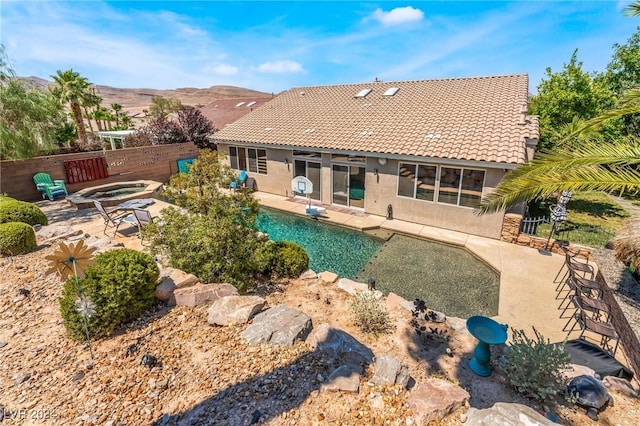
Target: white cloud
x=222, y=69
x=397, y=16
x=281, y=67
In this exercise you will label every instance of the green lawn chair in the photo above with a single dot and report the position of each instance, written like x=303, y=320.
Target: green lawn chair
x=48, y=186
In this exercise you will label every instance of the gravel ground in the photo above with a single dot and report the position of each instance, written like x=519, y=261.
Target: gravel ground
x=208, y=375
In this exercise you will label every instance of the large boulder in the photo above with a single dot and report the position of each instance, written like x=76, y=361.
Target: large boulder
x=506, y=414
x=340, y=345
x=279, y=325
x=390, y=370
x=179, y=278
x=436, y=399
x=234, y=309
x=203, y=294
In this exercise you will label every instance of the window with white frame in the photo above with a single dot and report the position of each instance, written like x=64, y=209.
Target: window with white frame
x=253, y=160
x=447, y=185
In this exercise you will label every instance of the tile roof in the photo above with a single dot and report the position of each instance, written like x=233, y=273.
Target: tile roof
x=221, y=112
x=477, y=119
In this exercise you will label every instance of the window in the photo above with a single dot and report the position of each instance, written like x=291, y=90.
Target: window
x=250, y=159
x=457, y=186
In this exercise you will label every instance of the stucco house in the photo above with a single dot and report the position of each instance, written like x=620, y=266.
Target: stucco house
x=425, y=151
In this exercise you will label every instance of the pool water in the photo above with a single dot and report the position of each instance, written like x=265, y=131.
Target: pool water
x=118, y=191
x=330, y=247
x=449, y=279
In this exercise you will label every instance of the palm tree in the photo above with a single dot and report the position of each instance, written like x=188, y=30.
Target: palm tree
x=70, y=87
x=117, y=108
x=91, y=100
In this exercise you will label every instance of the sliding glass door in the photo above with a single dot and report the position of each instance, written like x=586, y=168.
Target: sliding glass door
x=348, y=185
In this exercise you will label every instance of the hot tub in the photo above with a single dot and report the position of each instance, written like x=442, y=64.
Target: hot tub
x=112, y=194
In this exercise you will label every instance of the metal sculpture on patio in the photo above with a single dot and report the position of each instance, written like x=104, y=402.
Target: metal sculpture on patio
x=558, y=214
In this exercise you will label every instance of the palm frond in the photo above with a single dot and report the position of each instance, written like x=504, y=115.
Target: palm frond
x=633, y=9
x=591, y=167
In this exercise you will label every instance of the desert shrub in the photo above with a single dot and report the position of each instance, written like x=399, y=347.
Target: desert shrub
x=370, y=314
x=534, y=367
x=119, y=287
x=20, y=211
x=290, y=259
x=215, y=248
x=16, y=238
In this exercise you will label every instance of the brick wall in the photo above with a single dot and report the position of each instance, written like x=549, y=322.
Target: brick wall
x=156, y=162
x=628, y=338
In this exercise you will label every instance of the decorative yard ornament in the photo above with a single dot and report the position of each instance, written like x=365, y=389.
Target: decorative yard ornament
x=72, y=260
x=558, y=214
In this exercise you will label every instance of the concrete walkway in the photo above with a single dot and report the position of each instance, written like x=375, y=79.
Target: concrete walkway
x=527, y=293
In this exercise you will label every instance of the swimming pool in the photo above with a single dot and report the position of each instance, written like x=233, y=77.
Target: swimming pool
x=449, y=279
x=330, y=247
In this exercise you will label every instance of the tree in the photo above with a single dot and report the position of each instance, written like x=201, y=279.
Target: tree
x=71, y=88
x=31, y=119
x=117, y=109
x=633, y=9
x=565, y=95
x=195, y=126
x=623, y=73
x=162, y=107
x=164, y=131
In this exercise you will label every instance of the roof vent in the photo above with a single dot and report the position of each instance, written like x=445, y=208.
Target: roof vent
x=250, y=104
x=362, y=93
x=391, y=91
x=268, y=129
x=302, y=93
x=239, y=104
x=366, y=133
x=309, y=130
x=432, y=136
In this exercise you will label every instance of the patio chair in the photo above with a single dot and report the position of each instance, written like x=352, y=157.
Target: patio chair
x=144, y=219
x=605, y=331
x=49, y=187
x=111, y=220
x=563, y=272
x=240, y=182
x=579, y=285
x=575, y=267
x=598, y=309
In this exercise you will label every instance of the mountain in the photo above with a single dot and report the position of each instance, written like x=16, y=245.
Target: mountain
x=220, y=104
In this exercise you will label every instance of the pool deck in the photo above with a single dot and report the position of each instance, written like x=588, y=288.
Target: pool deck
x=527, y=295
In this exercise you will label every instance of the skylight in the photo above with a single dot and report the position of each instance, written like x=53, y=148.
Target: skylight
x=362, y=93
x=250, y=104
x=239, y=104
x=391, y=91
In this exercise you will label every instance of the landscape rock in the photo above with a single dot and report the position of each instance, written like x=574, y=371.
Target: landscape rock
x=328, y=277
x=354, y=288
x=309, y=274
x=620, y=385
x=279, y=325
x=164, y=290
x=389, y=370
x=576, y=370
x=340, y=345
x=52, y=232
x=436, y=399
x=345, y=378
x=21, y=378
x=180, y=278
x=203, y=294
x=506, y=414
x=231, y=310
x=398, y=302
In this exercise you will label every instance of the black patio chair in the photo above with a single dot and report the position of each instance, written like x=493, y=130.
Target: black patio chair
x=113, y=220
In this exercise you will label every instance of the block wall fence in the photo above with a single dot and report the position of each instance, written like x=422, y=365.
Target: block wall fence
x=156, y=162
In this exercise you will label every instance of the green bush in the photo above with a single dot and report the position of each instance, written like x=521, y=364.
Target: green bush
x=16, y=238
x=371, y=316
x=20, y=211
x=215, y=248
x=118, y=288
x=534, y=367
x=289, y=259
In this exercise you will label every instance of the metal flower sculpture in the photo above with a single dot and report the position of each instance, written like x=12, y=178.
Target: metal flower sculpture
x=73, y=260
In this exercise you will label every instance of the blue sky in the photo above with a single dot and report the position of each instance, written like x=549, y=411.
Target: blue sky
x=273, y=46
